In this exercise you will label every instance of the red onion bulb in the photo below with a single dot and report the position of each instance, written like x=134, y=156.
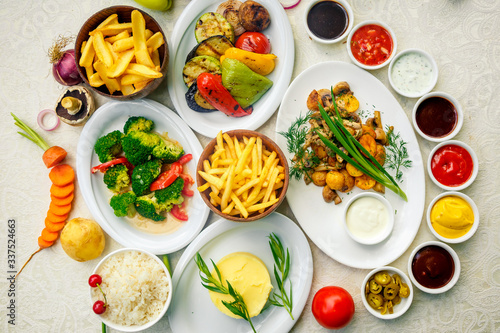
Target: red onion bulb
x=64, y=63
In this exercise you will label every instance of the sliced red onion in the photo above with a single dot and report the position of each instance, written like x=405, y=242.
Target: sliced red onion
x=41, y=117
x=289, y=4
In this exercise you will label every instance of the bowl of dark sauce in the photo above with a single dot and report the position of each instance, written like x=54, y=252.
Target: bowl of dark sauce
x=437, y=116
x=434, y=267
x=328, y=21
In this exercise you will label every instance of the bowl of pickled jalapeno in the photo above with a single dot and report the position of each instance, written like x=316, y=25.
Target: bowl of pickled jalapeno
x=387, y=292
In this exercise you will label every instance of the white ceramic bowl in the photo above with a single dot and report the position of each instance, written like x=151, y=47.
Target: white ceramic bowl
x=425, y=89
x=350, y=23
x=456, y=273
x=472, y=230
x=394, y=44
x=475, y=168
x=135, y=328
x=458, y=108
x=384, y=233
x=400, y=308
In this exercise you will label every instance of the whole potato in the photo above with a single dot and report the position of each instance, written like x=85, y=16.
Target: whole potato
x=319, y=178
x=82, y=239
x=335, y=180
x=254, y=16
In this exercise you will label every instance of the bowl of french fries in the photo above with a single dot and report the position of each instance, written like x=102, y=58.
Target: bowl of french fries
x=122, y=53
x=242, y=175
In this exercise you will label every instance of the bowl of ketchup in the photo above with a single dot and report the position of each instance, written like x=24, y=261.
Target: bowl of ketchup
x=434, y=267
x=437, y=116
x=452, y=165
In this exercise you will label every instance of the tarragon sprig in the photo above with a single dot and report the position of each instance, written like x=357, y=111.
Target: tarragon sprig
x=237, y=306
x=281, y=270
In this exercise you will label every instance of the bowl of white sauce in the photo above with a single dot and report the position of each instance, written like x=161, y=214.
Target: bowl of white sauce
x=413, y=73
x=368, y=218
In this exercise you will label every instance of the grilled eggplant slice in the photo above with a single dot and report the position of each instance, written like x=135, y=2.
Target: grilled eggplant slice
x=198, y=65
x=214, y=46
x=196, y=102
x=213, y=24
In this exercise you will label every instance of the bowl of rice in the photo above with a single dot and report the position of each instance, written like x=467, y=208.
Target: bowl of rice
x=138, y=289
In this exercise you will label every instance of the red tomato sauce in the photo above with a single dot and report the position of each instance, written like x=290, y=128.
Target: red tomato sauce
x=371, y=45
x=452, y=165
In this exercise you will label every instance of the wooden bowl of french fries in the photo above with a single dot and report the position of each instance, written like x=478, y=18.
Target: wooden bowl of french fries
x=122, y=53
x=242, y=175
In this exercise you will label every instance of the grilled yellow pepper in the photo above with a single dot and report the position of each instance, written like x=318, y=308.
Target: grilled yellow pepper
x=262, y=64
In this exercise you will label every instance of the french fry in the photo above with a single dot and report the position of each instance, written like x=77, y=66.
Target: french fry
x=111, y=19
x=138, y=33
x=155, y=41
x=95, y=80
x=242, y=161
x=113, y=29
x=88, y=53
x=239, y=205
x=228, y=188
x=142, y=70
x=257, y=207
x=123, y=44
x=141, y=84
x=155, y=57
x=122, y=35
x=203, y=187
x=132, y=79
x=102, y=50
x=112, y=84
x=121, y=64
x=217, y=182
x=127, y=89
x=230, y=144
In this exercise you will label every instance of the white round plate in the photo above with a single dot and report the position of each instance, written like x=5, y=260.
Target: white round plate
x=322, y=221
x=182, y=41
x=192, y=310
x=112, y=116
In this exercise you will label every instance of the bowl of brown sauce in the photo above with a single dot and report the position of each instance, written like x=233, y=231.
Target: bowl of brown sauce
x=328, y=21
x=434, y=267
x=437, y=116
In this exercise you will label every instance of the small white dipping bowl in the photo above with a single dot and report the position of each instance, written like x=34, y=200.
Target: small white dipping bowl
x=135, y=328
x=475, y=168
x=399, y=309
x=452, y=100
x=383, y=234
x=472, y=230
x=456, y=273
x=350, y=21
x=391, y=33
x=415, y=73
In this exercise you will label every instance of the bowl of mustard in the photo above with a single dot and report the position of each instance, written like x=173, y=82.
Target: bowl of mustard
x=452, y=217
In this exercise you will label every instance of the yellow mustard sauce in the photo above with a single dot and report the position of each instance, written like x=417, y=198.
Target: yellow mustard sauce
x=452, y=217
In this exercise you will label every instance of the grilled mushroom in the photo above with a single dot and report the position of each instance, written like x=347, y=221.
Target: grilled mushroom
x=75, y=106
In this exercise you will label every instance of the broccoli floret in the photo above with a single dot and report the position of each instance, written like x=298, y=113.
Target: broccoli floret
x=138, y=124
x=109, y=146
x=138, y=146
x=116, y=178
x=123, y=204
x=170, y=195
x=143, y=175
x=147, y=207
x=167, y=150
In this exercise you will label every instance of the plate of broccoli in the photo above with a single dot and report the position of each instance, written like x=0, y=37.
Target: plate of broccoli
x=132, y=170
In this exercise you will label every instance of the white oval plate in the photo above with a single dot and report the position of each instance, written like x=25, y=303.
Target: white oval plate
x=192, y=310
x=112, y=116
x=322, y=221
x=209, y=124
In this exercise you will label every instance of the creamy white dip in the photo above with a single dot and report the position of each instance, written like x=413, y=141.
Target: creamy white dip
x=367, y=218
x=412, y=73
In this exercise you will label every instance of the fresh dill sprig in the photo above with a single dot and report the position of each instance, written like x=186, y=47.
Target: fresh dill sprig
x=397, y=157
x=238, y=306
x=281, y=270
x=295, y=139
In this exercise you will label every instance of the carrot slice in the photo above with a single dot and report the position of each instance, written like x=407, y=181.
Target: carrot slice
x=43, y=243
x=56, y=218
x=62, y=174
x=62, y=191
x=59, y=210
x=53, y=156
x=54, y=227
x=49, y=236
x=62, y=201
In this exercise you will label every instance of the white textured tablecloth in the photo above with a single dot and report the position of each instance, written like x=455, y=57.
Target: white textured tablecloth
x=51, y=295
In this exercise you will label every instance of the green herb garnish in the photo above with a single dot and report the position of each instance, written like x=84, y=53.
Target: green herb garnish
x=295, y=136
x=369, y=166
x=238, y=306
x=397, y=157
x=281, y=270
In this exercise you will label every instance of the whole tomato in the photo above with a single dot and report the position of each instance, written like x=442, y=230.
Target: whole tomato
x=333, y=307
x=254, y=42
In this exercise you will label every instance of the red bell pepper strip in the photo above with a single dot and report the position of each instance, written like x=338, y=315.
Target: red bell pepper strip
x=167, y=178
x=211, y=88
x=179, y=212
x=185, y=158
x=188, y=181
x=106, y=165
